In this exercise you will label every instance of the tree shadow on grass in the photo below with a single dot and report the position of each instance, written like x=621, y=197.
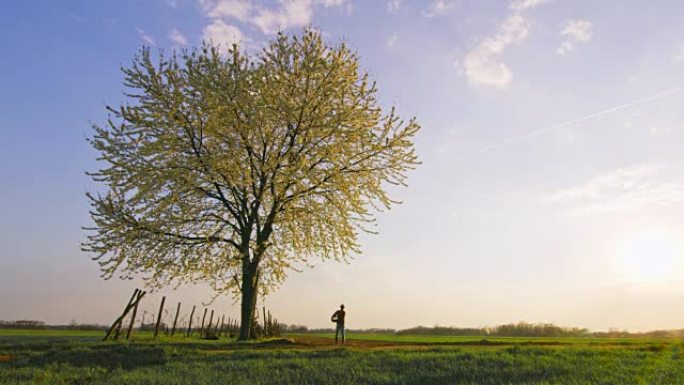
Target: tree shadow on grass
x=234, y=346
x=43, y=353
x=109, y=356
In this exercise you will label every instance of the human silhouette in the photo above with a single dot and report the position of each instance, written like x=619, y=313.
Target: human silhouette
x=338, y=318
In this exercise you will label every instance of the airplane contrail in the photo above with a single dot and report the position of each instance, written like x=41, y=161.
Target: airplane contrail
x=534, y=133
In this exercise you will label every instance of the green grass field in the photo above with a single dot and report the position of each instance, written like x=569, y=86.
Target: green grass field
x=74, y=357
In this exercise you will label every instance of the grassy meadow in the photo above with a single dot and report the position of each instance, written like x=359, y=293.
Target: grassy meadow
x=74, y=357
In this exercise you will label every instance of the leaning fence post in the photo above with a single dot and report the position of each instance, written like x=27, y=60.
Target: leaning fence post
x=135, y=311
x=119, y=320
x=203, y=317
x=211, y=319
x=161, y=309
x=190, y=322
x=175, y=319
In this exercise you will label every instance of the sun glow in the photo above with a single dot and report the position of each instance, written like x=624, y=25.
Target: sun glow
x=651, y=256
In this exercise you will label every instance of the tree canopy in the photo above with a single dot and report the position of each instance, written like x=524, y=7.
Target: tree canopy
x=233, y=168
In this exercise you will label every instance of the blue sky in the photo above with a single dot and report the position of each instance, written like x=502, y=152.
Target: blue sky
x=552, y=184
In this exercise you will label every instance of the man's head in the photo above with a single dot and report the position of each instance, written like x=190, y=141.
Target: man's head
x=342, y=307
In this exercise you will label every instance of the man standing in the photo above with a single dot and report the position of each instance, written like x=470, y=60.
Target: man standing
x=338, y=317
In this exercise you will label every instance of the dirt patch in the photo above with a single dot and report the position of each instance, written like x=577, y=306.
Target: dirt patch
x=5, y=357
x=278, y=342
x=322, y=342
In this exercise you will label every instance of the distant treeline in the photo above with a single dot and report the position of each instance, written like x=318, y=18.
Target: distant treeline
x=33, y=324
x=521, y=329
x=679, y=333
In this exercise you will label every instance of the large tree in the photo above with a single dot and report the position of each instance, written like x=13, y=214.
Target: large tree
x=232, y=168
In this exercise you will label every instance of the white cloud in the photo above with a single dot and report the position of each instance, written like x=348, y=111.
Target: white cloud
x=145, y=37
x=394, y=6
x=656, y=129
x=237, y=9
x=623, y=189
x=287, y=14
x=177, y=37
x=331, y=3
x=599, y=186
x=439, y=7
x=293, y=13
x=483, y=66
x=521, y=5
x=392, y=41
x=459, y=67
x=221, y=33
x=574, y=32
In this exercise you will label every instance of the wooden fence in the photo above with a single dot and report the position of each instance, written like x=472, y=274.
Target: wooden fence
x=214, y=327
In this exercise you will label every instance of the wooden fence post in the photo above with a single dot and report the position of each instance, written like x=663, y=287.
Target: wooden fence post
x=203, y=317
x=211, y=319
x=190, y=322
x=135, y=312
x=118, y=321
x=161, y=309
x=175, y=319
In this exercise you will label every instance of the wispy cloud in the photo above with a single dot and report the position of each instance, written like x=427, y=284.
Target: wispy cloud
x=216, y=9
x=571, y=122
x=146, y=38
x=439, y=7
x=394, y=6
x=221, y=33
x=293, y=13
x=522, y=5
x=573, y=33
x=623, y=189
x=331, y=3
x=656, y=129
x=76, y=17
x=287, y=13
x=483, y=65
x=392, y=41
x=177, y=37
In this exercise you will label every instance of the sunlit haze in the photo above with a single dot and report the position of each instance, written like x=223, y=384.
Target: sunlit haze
x=551, y=187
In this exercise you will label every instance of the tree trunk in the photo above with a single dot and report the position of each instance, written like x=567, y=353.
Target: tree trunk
x=250, y=289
